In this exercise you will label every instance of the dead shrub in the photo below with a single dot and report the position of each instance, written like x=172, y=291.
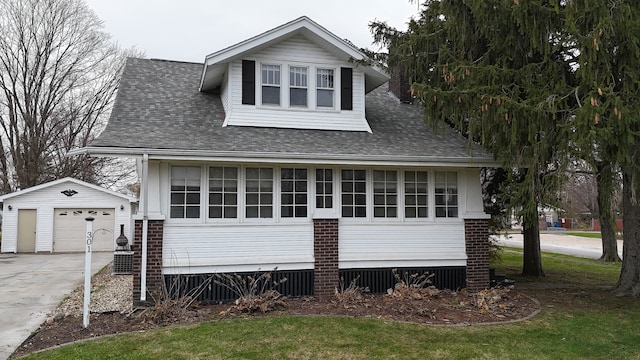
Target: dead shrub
x=490, y=300
x=412, y=286
x=255, y=292
x=350, y=294
x=175, y=299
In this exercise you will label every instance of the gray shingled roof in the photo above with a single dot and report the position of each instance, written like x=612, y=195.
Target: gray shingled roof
x=159, y=106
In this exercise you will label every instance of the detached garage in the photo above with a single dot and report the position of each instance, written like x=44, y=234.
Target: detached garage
x=51, y=217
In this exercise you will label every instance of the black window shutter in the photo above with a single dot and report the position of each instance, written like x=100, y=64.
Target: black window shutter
x=346, y=88
x=248, y=82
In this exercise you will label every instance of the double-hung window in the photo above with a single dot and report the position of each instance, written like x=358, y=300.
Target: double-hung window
x=416, y=190
x=385, y=193
x=446, y=193
x=259, y=192
x=270, y=84
x=298, y=86
x=293, y=192
x=223, y=192
x=354, y=193
x=324, y=88
x=185, y=192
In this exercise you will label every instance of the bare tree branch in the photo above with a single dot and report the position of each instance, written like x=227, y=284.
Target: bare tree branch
x=58, y=76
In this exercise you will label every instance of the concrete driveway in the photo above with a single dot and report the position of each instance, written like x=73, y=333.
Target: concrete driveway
x=32, y=285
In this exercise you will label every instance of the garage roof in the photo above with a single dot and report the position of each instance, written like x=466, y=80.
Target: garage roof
x=60, y=181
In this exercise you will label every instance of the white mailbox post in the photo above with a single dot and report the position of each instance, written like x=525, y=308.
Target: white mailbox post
x=87, y=272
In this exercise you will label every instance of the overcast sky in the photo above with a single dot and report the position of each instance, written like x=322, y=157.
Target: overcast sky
x=187, y=30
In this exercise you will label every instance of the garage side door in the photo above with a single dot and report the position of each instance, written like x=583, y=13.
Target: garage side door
x=70, y=226
x=26, y=230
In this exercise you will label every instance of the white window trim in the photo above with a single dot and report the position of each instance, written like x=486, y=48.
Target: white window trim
x=289, y=86
x=281, y=86
x=279, y=200
x=312, y=212
x=399, y=194
x=336, y=86
x=369, y=196
x=326, y=213
x=458, y=186
x=430, y=197
x=197, y=220
x=274, y=199
x=240, y=178
x=311, y=87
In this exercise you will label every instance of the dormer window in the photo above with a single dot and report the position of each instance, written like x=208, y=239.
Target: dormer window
x=296, y=76
x=298, y=86
x=324, y=88
x=270, y=84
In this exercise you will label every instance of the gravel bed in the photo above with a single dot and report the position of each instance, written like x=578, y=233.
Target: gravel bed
x=109, y=293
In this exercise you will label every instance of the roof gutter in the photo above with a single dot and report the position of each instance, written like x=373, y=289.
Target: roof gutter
x=309, y=158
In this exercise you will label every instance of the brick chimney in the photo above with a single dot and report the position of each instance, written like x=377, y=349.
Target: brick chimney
x=400, y=85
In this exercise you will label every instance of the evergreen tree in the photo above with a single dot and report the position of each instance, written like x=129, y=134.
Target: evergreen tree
x=496, y=71
x=607, y=121
x=531, y=81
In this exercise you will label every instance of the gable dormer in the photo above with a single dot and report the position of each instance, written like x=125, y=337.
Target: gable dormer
x=298, y=75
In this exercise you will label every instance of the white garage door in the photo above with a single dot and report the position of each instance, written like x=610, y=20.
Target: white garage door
x=70, y=227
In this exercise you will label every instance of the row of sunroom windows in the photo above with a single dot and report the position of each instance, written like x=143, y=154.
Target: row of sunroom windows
x=259, y=187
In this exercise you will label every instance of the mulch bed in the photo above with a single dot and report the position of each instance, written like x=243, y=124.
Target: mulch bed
x=435, y=308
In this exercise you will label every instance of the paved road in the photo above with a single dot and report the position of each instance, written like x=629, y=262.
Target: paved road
x=31, y=286
x=563, y=244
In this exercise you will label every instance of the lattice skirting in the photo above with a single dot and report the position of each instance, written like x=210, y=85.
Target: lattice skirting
x=300, y=282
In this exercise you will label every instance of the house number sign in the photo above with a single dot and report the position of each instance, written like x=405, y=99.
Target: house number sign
x=87, y=273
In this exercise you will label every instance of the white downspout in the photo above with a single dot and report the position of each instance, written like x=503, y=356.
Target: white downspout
x=145, y=226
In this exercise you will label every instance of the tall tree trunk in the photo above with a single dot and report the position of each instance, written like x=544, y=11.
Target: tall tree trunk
x=532, y=257
x=629, y=281
x=604, y=180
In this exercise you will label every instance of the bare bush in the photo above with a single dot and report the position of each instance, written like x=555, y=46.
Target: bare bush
x=415, y=286
x=255, y=292
x=490, y=300
x=175, y=299
x=350, y=294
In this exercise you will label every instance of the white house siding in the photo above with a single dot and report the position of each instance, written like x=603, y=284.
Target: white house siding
x=296, y=51
x=237, y=248
x=45, y=200
x=10, y=228
x=206, y=246
x=401, y=244
x=224, y=90
x=474, y=206
x=158, y=190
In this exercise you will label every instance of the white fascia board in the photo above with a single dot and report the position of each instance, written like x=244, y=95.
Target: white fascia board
x=281, y=32
x=374, y=77
x=292, y=158
x=67, y=179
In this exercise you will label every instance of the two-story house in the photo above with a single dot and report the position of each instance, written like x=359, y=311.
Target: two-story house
x=288, y=150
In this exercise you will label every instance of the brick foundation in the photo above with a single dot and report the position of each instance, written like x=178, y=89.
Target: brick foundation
x=325, y=251
x=476, y=233
x=154, y=260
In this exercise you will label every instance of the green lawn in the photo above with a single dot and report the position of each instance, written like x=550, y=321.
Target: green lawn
x=578, y=321
x=562, y=269
x=588, y=234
